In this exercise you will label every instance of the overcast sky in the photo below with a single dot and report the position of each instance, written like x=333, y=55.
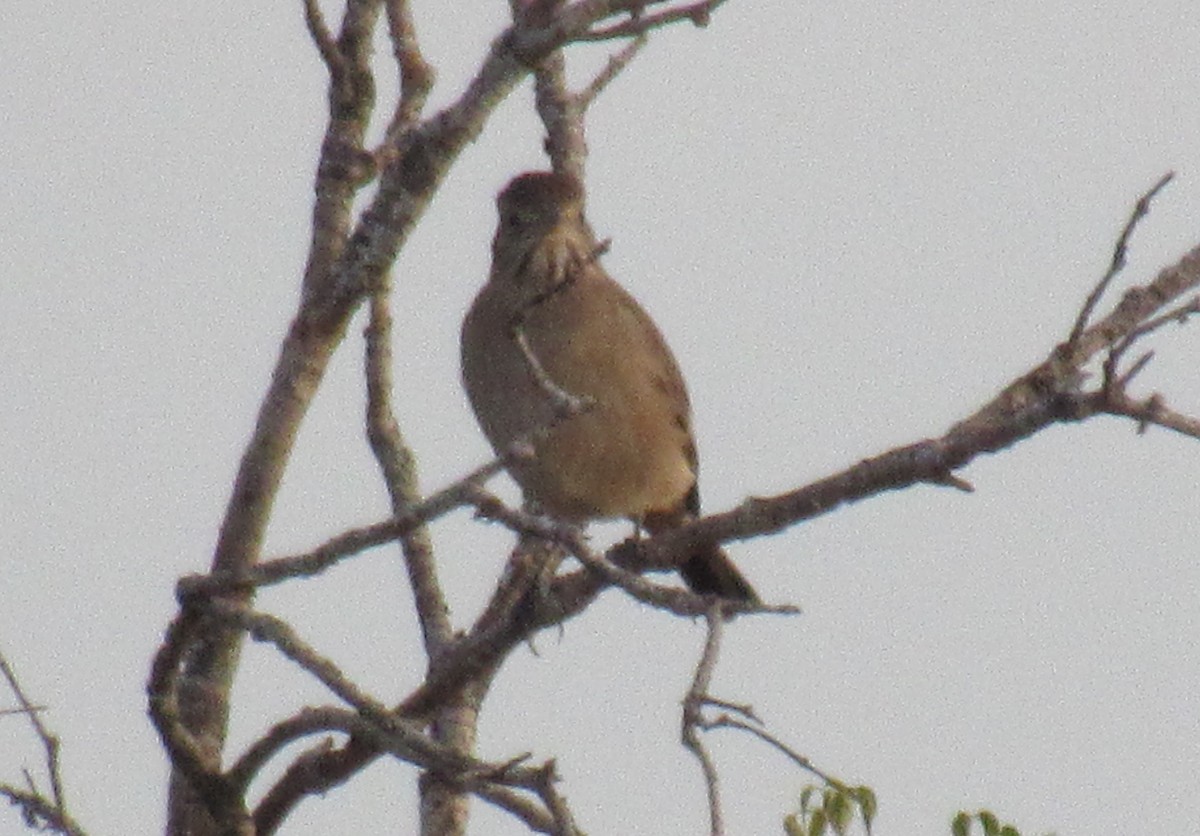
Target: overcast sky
x=855, y=222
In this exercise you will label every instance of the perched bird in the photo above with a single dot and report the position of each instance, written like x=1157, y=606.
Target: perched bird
x=630, y=452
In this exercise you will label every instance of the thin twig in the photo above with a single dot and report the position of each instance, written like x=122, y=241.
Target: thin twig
x=397, y=465
x=535, y=816
x=744, y=709
x=693, y=717
x=7, y=712
x=276, y=631
x=318, y=29
x=726, y=721
x=676, y=600
x=352, y=542
x=50, y=741
x=1178, y=315
x=1140, y=210
x=416, y=74
x=564, y=822
x=566, y=404
x=612, y=68
x=51, y=812
x=699, y=14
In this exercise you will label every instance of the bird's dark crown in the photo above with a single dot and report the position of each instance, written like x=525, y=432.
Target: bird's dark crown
x=541, y=189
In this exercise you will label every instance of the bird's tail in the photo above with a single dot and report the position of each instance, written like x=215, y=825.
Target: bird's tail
x=709, y=571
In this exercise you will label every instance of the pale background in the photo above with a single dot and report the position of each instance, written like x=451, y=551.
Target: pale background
x=854, y=221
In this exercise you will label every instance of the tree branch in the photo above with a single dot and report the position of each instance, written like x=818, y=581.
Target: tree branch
x=39, y=811
x=1140, y=210
x=398, y=466
x=416, y=75
x=1047, y=394
x=692, y=718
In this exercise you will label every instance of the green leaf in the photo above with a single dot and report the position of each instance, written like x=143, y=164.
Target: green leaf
x=867, y=803
x=839, y=810
x=991, y=824
x=961, y=826
x=816, y=825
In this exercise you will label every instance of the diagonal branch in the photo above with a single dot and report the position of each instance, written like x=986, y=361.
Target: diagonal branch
x=416, y=75
x=1045, y=395
x=1140, y=210
x=38, y=810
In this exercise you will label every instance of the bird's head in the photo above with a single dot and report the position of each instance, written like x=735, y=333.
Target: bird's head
x=541, y=232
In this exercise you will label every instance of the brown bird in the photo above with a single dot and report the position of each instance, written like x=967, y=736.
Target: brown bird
x=630, y=453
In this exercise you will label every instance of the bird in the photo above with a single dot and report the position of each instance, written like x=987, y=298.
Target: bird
x=549, y=323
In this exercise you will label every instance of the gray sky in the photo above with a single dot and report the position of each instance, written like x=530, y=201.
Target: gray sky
x=854, y=222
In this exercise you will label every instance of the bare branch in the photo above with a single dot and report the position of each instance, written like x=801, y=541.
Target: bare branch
x=313, y=773
x=726, y=721
x=564, y=822
x=268, y=628
x=39, y=811
x=1151, y=410
x=309, y=772
x=1140, y=210
x=348, y=543
x=503, y=625
x=536, y=817
x=694, y=722
x=50, y=742
x=558, y=108
x=195, y=763
x=693, y=718
x=612, y=68
x=416, y=75
x=318, y=29
x=398, y=466
x=1178, y=315
x=562, y=111
x=699, y=14
x=1047, y=394
x=676, y=600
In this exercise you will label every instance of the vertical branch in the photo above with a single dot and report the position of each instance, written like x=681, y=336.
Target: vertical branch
x=398, y=466
x=693, y=720
x=315, y=332
x=416, y=75
x=443, y=806
x=561, y=113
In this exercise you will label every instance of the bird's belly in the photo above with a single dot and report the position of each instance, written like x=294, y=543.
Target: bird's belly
x=597, y=466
